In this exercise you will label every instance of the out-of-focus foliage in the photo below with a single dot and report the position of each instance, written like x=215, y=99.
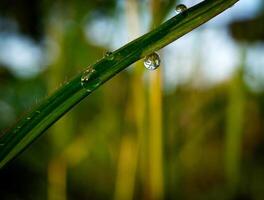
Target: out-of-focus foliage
x=212, y=141
x=242, y=30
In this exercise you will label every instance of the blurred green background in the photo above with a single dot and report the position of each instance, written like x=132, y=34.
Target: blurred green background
x=191, y=130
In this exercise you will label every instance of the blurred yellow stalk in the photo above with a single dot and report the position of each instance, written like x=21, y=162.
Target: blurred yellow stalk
x=126, y=170
x=133, y=139
x=155, y=135
x=234, y=130
x=155, y=122
x=57, y=179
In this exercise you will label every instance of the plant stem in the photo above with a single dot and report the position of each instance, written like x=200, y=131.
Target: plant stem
x=51, y=109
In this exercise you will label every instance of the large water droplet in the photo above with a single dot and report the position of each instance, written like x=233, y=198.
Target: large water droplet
x=93, y=86
x=152, y=61
x=88, y=82
x=87, y=74
x=180, y=8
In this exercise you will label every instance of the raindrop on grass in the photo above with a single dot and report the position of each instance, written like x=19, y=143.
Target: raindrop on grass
x=93, y=86
x=109, y=55
x=88, y=82
x=180, y=8
x=152, y=61
x=87, y=74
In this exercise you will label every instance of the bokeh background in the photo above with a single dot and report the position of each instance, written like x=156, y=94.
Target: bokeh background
x=194, y=129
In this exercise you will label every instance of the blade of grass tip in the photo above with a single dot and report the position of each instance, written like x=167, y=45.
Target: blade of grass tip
x=52, y=108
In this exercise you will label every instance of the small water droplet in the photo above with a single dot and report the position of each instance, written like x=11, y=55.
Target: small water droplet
x=152, y=61
x=28, y=118
x=109, y=55
x=87, y=74
x=180, y=8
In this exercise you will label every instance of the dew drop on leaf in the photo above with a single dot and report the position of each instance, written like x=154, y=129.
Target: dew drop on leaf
x=152, y=61
x=180, y=8
x=109, y=55
x=87, y=74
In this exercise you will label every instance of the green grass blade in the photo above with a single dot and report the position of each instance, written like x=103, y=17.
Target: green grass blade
x=51, y=109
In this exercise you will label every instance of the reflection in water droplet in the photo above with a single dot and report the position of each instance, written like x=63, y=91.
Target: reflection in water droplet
x=180, y=8
x=87, y=83
x=152, y=61
x=87, y=74
x=92, y=87
x=109, y=55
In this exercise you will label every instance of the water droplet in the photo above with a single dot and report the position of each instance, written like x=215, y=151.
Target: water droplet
x=28, y=118
x=90, y=89
x=109, y=55
x=180, y=8
x=87, y=74
x=152, y=61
